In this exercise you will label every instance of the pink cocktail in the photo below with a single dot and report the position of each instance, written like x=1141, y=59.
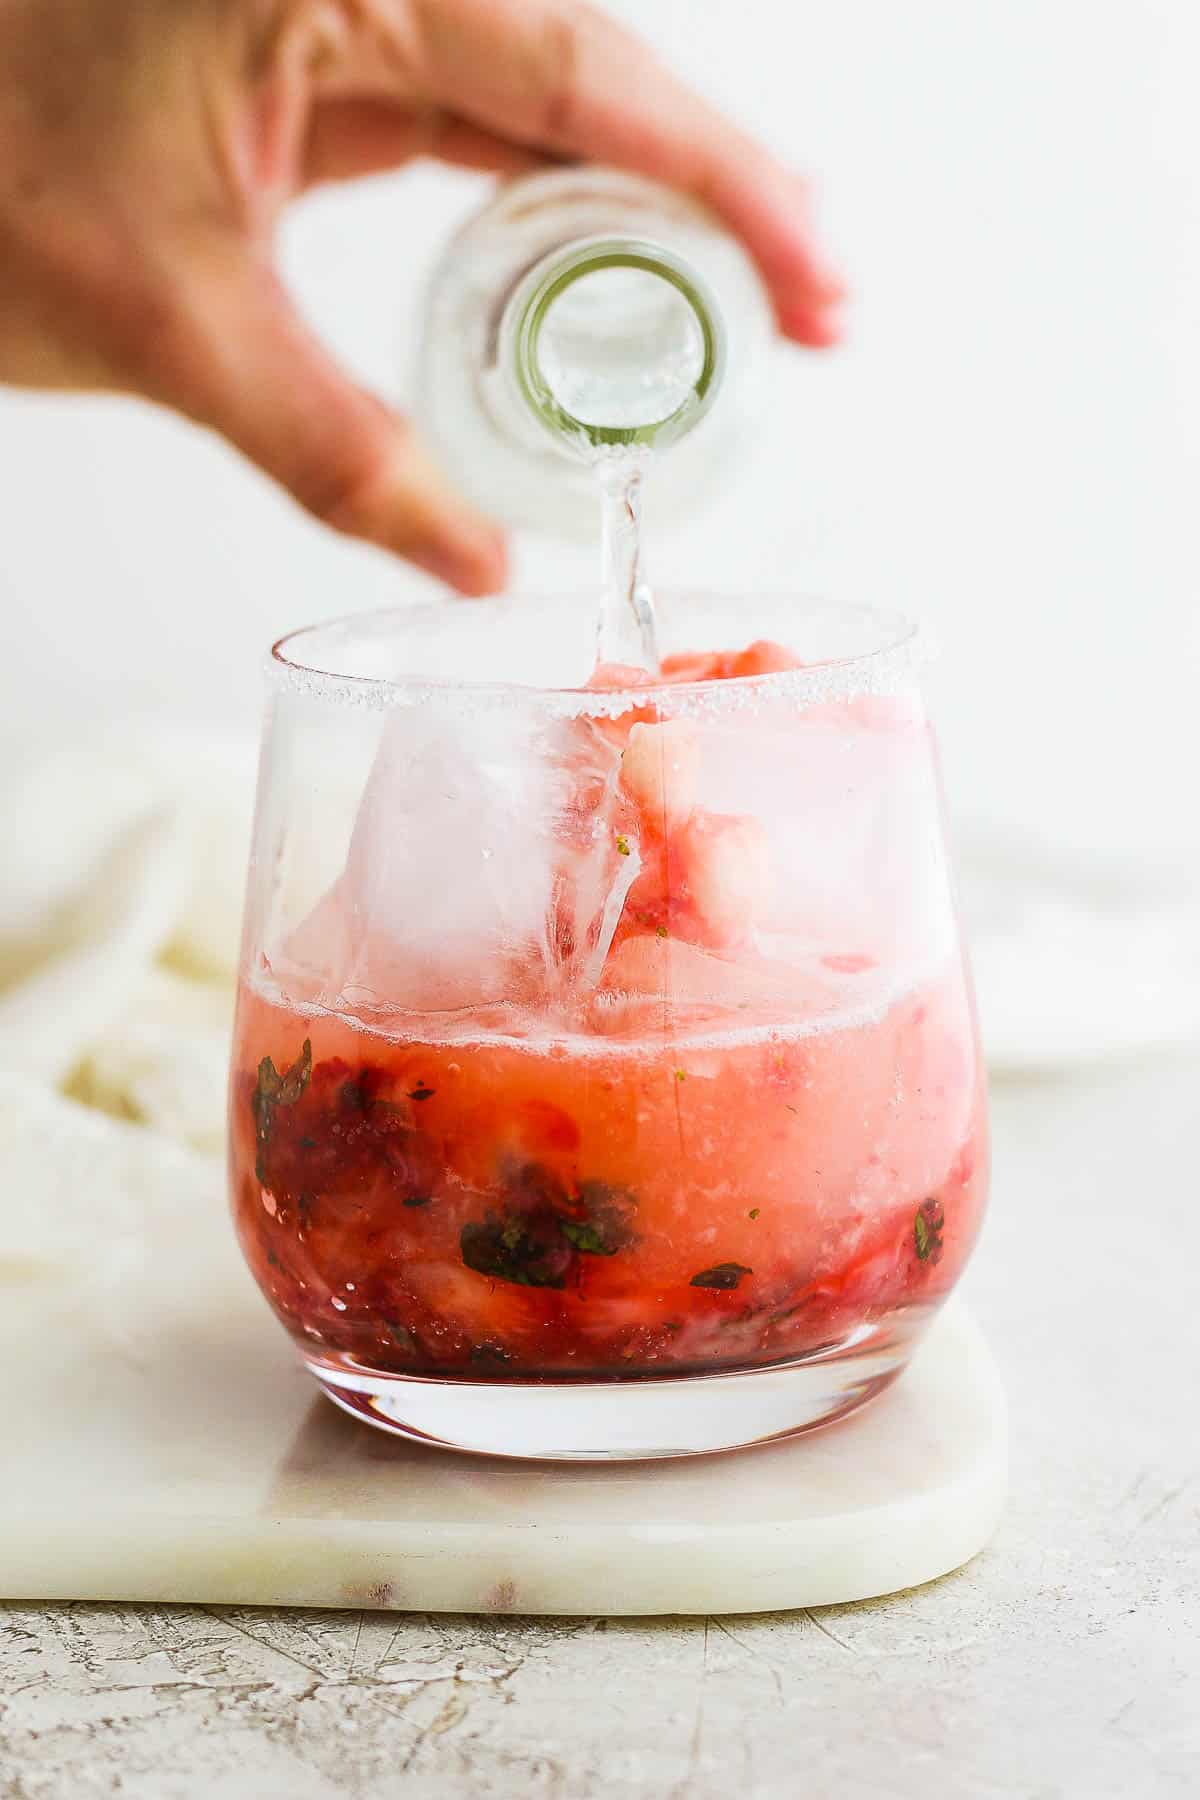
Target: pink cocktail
x=606, y=1077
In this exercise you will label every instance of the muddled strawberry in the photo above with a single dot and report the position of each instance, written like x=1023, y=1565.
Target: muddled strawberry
x=706, y=880
x=760, y=658
x=660, y=771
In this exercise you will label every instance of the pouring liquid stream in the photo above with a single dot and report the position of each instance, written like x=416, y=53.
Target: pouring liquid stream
x=627, y=632
x=624, y=366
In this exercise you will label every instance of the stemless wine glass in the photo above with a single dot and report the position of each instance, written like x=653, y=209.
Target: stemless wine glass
x=606, y=1081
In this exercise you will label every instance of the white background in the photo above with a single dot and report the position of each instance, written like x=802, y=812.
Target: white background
x=1008, y=446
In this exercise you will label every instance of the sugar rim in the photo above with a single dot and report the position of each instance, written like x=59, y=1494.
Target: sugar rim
x=905, y=647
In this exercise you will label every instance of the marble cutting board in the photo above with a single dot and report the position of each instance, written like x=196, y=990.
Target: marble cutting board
x=163, y=1445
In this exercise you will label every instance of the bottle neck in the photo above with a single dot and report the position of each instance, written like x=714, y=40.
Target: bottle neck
x=612, y=341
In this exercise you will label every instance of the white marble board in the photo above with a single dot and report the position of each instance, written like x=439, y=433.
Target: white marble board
x=163, y=1445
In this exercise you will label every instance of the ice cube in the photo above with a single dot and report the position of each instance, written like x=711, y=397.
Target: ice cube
x=449, y=881
x=848, y=799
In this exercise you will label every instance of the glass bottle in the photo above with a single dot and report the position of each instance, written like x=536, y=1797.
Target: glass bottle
x=584, y=310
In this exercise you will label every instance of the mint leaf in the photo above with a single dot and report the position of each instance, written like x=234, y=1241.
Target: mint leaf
x=273, y=1090
x=606, y=1225
x=529, y=1252
x=586, y=1237
x=928, y=1226
x=722, y=1275
x=298, y=1076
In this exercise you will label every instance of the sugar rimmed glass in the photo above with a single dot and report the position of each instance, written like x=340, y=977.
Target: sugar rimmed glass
x=606, y=1081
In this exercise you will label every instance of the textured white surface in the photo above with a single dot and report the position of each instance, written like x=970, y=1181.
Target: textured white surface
x=1062, y=1663
x=216, y=1473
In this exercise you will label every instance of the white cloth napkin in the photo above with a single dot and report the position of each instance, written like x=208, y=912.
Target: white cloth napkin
x=120, y=904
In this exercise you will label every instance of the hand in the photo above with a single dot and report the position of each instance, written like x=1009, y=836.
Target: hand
x=150, y=146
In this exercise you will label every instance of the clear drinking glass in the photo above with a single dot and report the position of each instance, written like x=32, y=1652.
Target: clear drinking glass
x=606, y=1081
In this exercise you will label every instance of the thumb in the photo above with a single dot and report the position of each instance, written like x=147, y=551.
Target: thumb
x=249, y=368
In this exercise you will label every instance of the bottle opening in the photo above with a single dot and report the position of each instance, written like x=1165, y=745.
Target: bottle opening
x=621, y=346
x=617, y=343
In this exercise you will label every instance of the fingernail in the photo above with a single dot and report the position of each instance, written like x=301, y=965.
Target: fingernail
x=815, y=323
x=831, y=323
x=828, y=285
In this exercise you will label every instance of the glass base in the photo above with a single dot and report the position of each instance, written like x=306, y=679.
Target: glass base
x=640, y=1418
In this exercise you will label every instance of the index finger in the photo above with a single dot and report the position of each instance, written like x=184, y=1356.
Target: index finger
x=561, y=77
